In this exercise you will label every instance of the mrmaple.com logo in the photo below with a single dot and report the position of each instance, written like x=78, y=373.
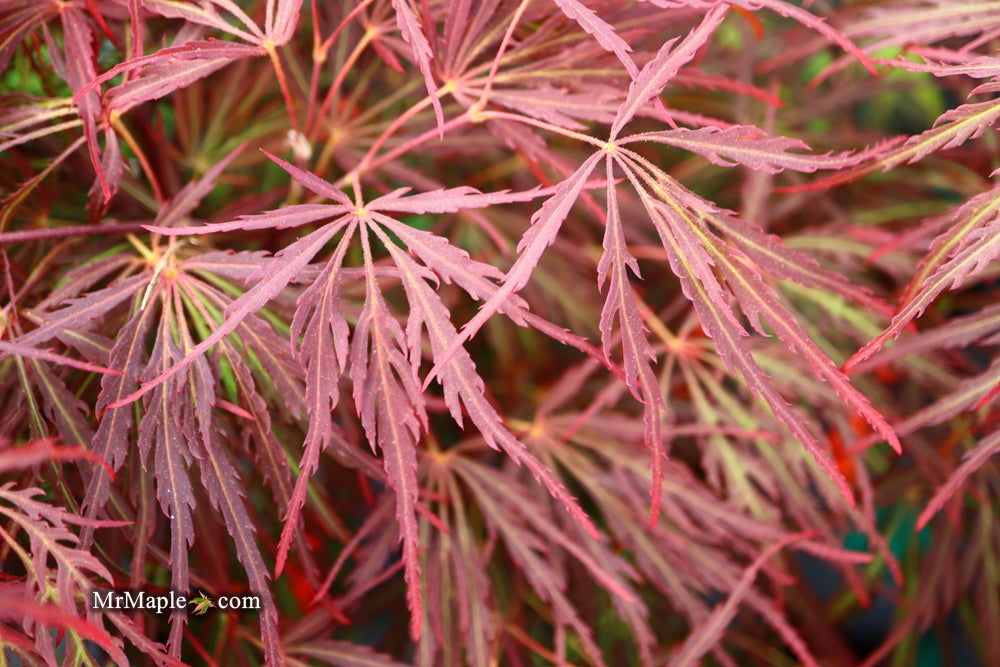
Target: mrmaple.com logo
x=172, y=601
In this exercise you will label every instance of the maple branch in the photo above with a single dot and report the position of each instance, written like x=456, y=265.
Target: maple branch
x=320, y=52
x=279, y=71
x=345, y=69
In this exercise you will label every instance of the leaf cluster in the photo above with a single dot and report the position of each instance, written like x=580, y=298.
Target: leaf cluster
x=539, y=316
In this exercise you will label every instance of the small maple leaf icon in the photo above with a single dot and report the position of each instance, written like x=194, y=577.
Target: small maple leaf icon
x=202, y=603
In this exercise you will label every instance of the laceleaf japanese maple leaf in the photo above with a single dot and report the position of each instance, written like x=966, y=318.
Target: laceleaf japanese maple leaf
x=187, y=60
x=687, y=227
x=533, y=539
x=381, y=359
x=932, y=21
x=969, y=241
x=176, y=295
x=74, y=61
x=920, y=23
x=459, y=46
x=952, y=129
x=961, y=252
x=702, y=526
x=463, y=491
x=334, y=652
x=48, y=599
x=76, y=573
x=41, y=389
x=28, y=120
x=968, y=400
x=179, y=65
x=783, y=8
x=168, y=300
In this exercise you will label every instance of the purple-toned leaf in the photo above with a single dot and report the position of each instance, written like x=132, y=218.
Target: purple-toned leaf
x=282, y=218
x=389, y=403
x=748, y=146
x=15, y=607
x=45, y=355
x=343, y=654
x=971, y=462
x=81, y=311
x=955, y=235
x=111, y=440
x=323, y=352
x=770, y=254
x=76, y=568
x=756, y=298
x=545, y=224
x=158, y=79
x=704, y=637
x=282, y=16
x=448, y=201
x=61, y=405
x=222, y=482
x=164, y=78
x=978, y=67
x=204, y=14
x=78, y=40
x=312, y=182
x=683, y=227
x=715, y=320
x=462, y=385
x=286, y=266
x=603, y=32
x=610, y=580
x=113, y=168
x=160, y=429
x=409, y=26
x=527, y=551
x=622, y=305
x=981, y=247
x=952, y=129
x=656, y=74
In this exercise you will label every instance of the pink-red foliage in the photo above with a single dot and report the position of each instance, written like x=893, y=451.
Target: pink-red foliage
x=295, y=294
